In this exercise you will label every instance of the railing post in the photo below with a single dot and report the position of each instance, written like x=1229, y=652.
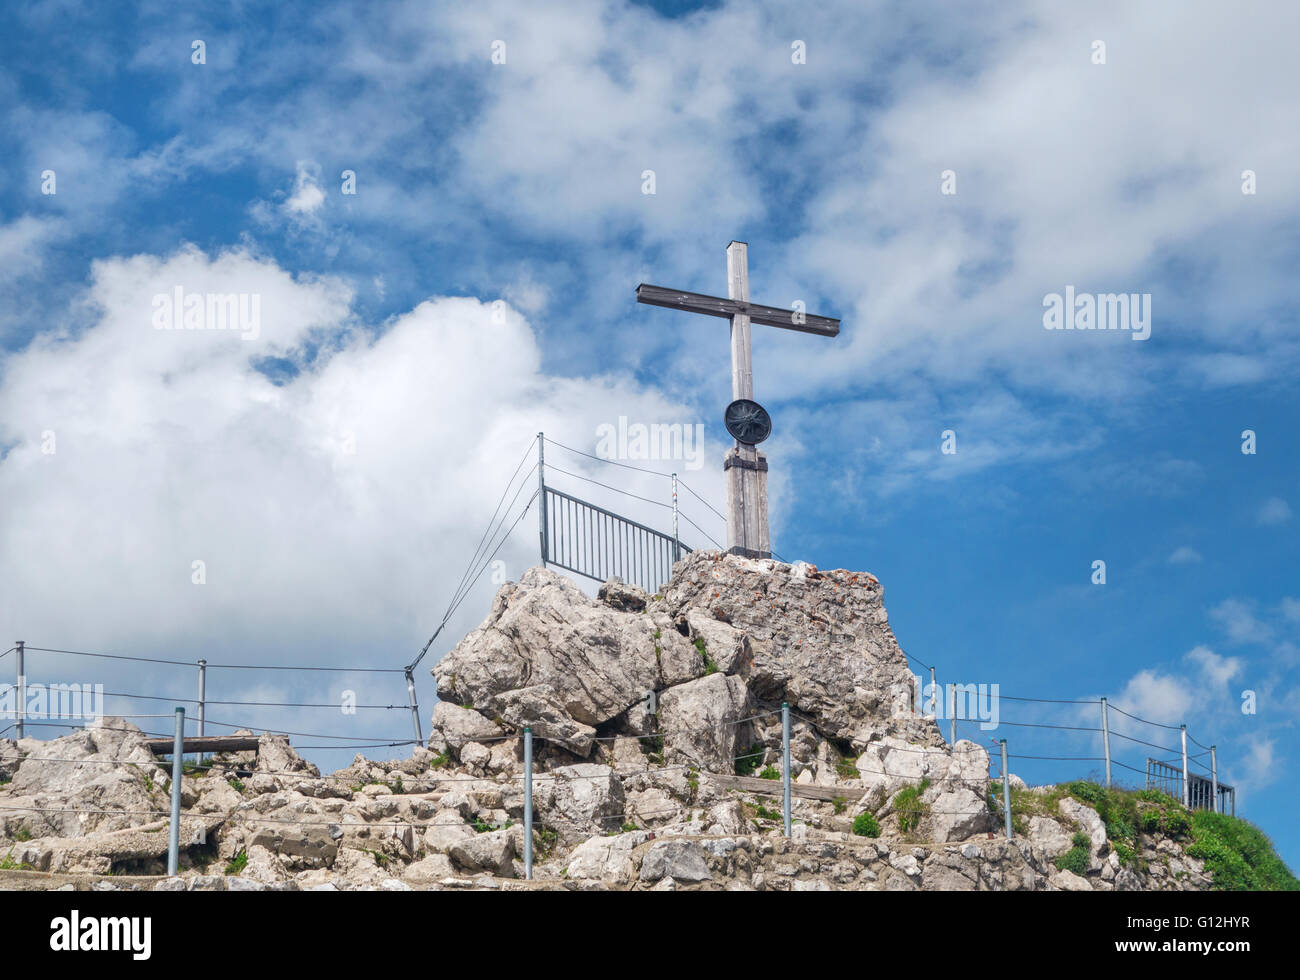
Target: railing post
x=203, y=694
x=174, y=836
x=1214, y=778
x=1006, y=788
x=934, y=698
x=677, y=548
x=952, y=714
x=541, y=493
x=415, y=707
x=1184, y=734
x=528, y=804
x=785, y=761
x=1105, y=738
x=22, y=691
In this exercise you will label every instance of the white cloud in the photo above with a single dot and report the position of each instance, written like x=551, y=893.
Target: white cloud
x=171, y=448
x=1215, y=670
x=1184, y=555
x=1238, y=620
x=307, y=197
x=1274, y=511
x=1157, y=697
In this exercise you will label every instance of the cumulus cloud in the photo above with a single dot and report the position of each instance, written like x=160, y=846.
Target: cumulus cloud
x=334, y=508
x=1184, y=555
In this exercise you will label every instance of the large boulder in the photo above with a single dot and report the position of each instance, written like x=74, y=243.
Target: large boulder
x=100, y=778
x=608, y=859
x=584, y=798
x=820, y=640
x=454, y=726
x=547, y=649
x=699, y=721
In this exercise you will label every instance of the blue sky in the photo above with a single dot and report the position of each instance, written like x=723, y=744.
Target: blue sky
x=334, y=473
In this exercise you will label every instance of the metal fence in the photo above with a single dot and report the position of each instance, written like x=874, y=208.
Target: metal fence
x=580, y=537
x=1202, y=793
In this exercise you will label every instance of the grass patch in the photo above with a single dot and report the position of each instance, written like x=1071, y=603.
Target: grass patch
x=236, y=784
x=840, y=804
x=237, y=863
x=1238, y=855
x=22, y=834
x=710, y=667
x=848, y=769
x=481, y=826
x=748, y=760
x=441, y=760
x=908, y=806
x=7, y=863
x=865, y=825
x=770, y=772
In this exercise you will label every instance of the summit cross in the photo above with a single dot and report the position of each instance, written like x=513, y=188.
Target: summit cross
x=745, y=466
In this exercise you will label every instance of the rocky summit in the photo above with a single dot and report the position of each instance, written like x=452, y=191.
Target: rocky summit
x=657, y=765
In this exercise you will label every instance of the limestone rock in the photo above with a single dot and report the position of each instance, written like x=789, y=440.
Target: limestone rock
x=699, y=721
x=491, y=852
x=584, y=797
x=679, y=860
x=608, y=859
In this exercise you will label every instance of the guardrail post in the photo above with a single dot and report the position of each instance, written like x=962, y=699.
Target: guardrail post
x=1105, y=738
x=174, y=835
x=528, y=804
x=1006, y=788
x=952, y=715
x=785, y=761
x=677, y=548
x=203, y=694
x=541, y=493
x=415, y=706
x=22, y=692
x=1184, y=734
x=1214, y=777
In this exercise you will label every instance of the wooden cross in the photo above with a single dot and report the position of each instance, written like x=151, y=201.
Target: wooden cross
x=745, y=466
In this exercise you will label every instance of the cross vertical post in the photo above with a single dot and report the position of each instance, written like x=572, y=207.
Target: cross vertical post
x=748, y=532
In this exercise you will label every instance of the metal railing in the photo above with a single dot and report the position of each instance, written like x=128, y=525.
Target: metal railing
x=580, y=537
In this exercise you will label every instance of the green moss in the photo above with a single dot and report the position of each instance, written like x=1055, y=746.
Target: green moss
x=1075, y=859
x=908, y=806
x=865, y=825
x=709, y=666
x=238, y=863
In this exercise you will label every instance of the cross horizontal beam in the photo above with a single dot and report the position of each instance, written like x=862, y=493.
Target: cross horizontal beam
x=771, y=316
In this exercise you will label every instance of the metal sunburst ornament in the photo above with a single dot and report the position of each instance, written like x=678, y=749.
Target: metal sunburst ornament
x=748, y=421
